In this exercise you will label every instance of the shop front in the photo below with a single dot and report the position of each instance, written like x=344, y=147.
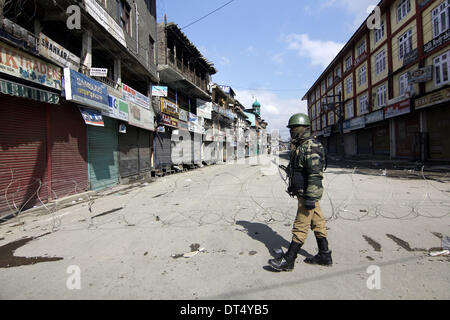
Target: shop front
x=407, y=128
x=435, y=105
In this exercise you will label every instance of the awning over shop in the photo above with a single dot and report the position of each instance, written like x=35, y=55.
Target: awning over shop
x=20, y=90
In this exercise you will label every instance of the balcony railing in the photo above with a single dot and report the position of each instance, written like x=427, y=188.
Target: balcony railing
x=190, y=75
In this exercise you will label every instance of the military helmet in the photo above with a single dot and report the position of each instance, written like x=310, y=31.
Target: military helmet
x=299, y=119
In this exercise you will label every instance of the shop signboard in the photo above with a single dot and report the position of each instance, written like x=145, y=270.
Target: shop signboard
x=436, y=42
x=92, y=117
x=421, y=75
x=21, y=65
x=204, y=109
x=169, y=121
x=118, y=109
x=430, y=99
x=169, y=108
x=98, y=72
x=375, y=116
x=84, y=90
x=397, y=109
x=159, y=91
x=57, y=53
x=140, y=117
x=183, y=115
x=133, y=96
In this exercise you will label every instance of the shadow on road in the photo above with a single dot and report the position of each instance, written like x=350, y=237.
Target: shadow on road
x=268, y=237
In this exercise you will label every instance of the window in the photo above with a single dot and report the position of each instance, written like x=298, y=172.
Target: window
x=403, y=9
x=380, y=62
x=324, y=121
x=330, y=80
x=123, y=12
x=441, y=18
x=349, y=85
x=349, y=110
x=330, y=118
x=151, y=50
x=323, y=87
x=404, y=84
x=363, y=104
x=338, y=71
x=362, y=48
x=318, y=108
x=404, y=44
x=362, y=75
x=379, y=33
x=317, y=94
x=442, y=69
x=381, y=96
x=348, y=63
x=313, y=112
x=319, y=125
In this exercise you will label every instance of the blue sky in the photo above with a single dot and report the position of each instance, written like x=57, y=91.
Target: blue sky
x=272, y=51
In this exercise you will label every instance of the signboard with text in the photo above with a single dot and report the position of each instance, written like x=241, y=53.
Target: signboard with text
x=118, y=108
x=159, y=91
x=92, y=117
x=169, y=108
x=84, y=90
x=397, y=109
x=57, y=53
x=133, y=96
x=430, y=99
x=21, y=65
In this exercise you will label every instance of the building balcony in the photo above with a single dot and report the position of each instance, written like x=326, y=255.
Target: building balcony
x=180, y=76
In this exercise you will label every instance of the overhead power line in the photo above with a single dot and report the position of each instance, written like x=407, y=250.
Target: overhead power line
x=207, y=14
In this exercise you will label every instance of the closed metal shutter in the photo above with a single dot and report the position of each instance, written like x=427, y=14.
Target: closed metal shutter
x=129, y=152
x=68, y=140
x=103, y=154
x=381, y=144
x=162, y=146
x=197, y=147
x=365, y=142
x=406, y=129
x=350, y=144
x=145, y=150
x=438, y=125
x=23, y=156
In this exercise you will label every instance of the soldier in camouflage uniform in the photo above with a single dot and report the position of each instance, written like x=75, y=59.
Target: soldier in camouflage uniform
x=305, y=182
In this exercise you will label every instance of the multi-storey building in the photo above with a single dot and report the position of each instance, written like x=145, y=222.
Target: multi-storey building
x=75, y=91
x=386, y=94
x=187, y=74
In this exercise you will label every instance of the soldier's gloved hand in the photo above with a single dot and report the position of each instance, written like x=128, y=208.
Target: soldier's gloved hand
x=310, y=204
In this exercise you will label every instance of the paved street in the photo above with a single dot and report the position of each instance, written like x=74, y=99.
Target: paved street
x=131, y=245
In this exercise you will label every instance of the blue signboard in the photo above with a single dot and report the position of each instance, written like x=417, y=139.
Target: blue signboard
x=84, y=90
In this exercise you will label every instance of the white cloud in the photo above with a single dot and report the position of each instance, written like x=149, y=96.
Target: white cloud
x=320, y=52
x=251, y=51
x=274, y=109
x=278, y=58
x=357, y=8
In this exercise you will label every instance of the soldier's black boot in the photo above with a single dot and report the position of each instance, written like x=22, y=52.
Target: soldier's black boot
x=287, y=261
x=323, y=258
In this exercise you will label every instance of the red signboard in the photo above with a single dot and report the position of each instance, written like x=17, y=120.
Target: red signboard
x=397, y=109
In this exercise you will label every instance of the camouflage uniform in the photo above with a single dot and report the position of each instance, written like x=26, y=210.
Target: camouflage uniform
x=308, y=161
